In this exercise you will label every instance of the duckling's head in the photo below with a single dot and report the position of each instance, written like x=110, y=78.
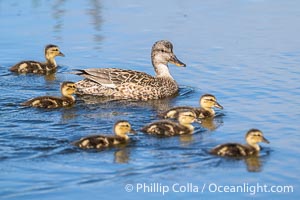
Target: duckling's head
x=186, y=117
x=67, y=88
x=51, y=51
x=162, y=53
x=208, y=101
x=122, y=128
x=255, y=136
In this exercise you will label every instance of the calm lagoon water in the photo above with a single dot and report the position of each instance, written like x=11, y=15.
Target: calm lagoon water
x=245, y=52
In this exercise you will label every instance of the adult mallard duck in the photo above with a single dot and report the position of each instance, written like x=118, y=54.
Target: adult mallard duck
x=253, y=137
x=67, y=89
x=207, y=102
x=121, y=129
x=129, y=84
x=51, y=51
x=170, y=128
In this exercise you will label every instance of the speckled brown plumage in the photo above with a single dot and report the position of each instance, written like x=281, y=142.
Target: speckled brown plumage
x=51, y=51
x=129, y=84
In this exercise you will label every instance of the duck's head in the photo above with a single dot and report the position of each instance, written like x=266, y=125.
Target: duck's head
x=51, y=51
x=67, y=88
x=162, y=54
x=255, y=136
x=186, y=117
x=122, y=128
x=208, y=101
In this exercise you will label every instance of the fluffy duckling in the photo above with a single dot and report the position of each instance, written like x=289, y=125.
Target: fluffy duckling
x=170, y=128
x=134, y=85
x=67, y=89
x=51, y=51
x=121, y=129
x=207, y=102
x=252, y=137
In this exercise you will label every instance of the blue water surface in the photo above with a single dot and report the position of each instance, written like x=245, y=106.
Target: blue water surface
x=245, y=52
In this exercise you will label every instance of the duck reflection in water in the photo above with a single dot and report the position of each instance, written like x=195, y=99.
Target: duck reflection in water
x=212, y=123
x=122, y=155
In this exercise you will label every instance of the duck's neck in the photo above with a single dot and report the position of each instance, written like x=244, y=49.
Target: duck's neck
x=124, y=136
x=162, y=70
x=189, y=126
x=210, y=110
x=51, y=62
x=69, y=97
x=255, y=146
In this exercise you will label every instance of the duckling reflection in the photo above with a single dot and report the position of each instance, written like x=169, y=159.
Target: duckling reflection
x=186, y=139
x=253, y=163
x=121, y=156
x=211, y=123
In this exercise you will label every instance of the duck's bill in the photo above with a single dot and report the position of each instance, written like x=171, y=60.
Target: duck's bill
x=265, y=140
x=217, y=105
x=174, y=60
x=61, y=54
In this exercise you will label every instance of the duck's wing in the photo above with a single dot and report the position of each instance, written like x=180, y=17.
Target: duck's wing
x=44, y=102
x=230, y=149
x=98, y=141
x=161, y=128
x=173, y=112
x=28, y=66
x=112, y=77
x=92, y=141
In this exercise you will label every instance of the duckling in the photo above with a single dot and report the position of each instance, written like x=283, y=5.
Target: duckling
x=252, y=137
x=51, y=51
x=67, y=89
x=121, y=129
x=134, y=85
x=170, y=128
x=207, y=102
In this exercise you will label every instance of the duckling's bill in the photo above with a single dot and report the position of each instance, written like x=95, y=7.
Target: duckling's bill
x=265, y=140
x=61, y=54
x=217, y=105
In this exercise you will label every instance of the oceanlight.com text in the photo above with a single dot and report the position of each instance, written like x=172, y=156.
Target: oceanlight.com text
x=251, y=189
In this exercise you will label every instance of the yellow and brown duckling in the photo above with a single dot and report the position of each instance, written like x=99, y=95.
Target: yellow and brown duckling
x=121, y=129
x=207, y=103
x=170, y=128
x=51, y=51
x=135, y=85
x=67, y=89
x=253, y=137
